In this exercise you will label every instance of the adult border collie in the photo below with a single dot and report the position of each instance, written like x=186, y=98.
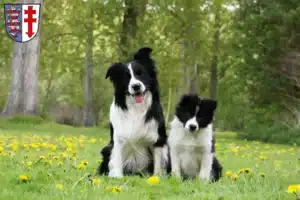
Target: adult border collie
x=138, y=139
x=191, y=139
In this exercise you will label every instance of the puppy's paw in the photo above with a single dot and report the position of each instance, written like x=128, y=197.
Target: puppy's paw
x=115, y=174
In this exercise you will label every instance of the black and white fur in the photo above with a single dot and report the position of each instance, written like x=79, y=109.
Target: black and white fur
x=138, y=141
x=191, y=140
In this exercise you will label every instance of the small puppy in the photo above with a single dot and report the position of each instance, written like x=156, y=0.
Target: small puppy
x=191, y=140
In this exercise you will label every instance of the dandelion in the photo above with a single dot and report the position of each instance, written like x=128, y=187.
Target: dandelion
x=23, y=178
x=263, y=175
x=293, y=189
x=262, y=157
x=59, y=186
x=42, y=157
x=228, y=173
x=244, y=170
x=1, y=149
x=153, y=180
x=85, y=162
x=81, y=166
x=235, y=150
x=92, y=140
x=96, y=181
x=56, y=158
x=114, y=189
x=234, y=177
x=29, y=163
x=53, y=147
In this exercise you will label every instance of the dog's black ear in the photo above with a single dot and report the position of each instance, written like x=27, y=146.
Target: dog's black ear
x=143, y=54
x=184, y=100
x=208, y=104
x=189, y=99
x=114, y=71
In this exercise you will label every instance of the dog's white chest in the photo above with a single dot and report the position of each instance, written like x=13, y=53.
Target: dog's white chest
x=134, y=135
x=190, y=153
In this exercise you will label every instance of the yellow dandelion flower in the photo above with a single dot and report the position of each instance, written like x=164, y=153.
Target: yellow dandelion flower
x=114, y=189
x=23, y=178
x=234, y=177
x=42, y=157
x=96, y=181
x=228, y=173
x=263, y=175
x=29, y=163
x=153, y=180
x=92, y=140
x=244, y=170
x=81, y=166
x=235, y=150
x=85, y=162
x=59, y=186
x=53, y=148
x=56, y=158
x=294, y=188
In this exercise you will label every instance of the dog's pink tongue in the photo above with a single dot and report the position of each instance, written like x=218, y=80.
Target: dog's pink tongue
x=139, y=98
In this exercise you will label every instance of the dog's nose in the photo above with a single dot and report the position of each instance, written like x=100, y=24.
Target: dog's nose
x=192, y=127
x=136, y=87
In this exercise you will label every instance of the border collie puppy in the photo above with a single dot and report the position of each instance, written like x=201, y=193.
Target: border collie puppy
x=138, y=139
x=191, y=140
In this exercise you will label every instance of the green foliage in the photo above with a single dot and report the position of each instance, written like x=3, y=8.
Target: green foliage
x=26, y=120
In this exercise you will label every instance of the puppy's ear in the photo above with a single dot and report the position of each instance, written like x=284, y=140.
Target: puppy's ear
x=143, y=54
x=114, y=71
x=184, y=100
x=208, y=104
x=189, y=99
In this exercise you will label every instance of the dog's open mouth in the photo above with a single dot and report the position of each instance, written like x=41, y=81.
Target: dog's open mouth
x=139, y=97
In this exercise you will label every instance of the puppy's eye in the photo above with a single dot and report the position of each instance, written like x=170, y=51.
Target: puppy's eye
x=138, y=72
x=128, y=74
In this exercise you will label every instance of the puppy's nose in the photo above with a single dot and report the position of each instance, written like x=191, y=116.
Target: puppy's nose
x=192, y=127
x=136, y=87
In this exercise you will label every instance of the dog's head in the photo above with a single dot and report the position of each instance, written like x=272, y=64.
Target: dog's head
x=134, y=78
x=195, y=113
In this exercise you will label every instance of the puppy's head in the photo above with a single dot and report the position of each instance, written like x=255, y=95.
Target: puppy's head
x=195, y=113
x=134, y=78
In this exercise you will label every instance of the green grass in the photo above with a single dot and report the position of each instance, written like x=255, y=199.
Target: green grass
x=280, y=163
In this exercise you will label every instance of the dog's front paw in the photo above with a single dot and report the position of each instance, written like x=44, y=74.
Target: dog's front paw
x=115, y=174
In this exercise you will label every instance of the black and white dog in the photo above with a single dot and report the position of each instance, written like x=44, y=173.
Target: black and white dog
x=138, y=141
x=191, y=140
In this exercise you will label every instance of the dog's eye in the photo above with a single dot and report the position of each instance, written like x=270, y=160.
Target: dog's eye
x=138, y=72
x=128, y=74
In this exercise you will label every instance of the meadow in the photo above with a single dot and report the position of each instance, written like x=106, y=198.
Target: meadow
x=50, y=161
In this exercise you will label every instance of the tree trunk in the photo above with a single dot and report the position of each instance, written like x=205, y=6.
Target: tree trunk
x=133, y=9
x=88, y=79
x=23, y=97
x=194, y=83
x=14, y=103
x=32, y=54
x=214, y=62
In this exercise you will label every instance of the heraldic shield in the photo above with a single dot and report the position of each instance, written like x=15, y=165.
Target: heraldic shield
x=22, y=21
